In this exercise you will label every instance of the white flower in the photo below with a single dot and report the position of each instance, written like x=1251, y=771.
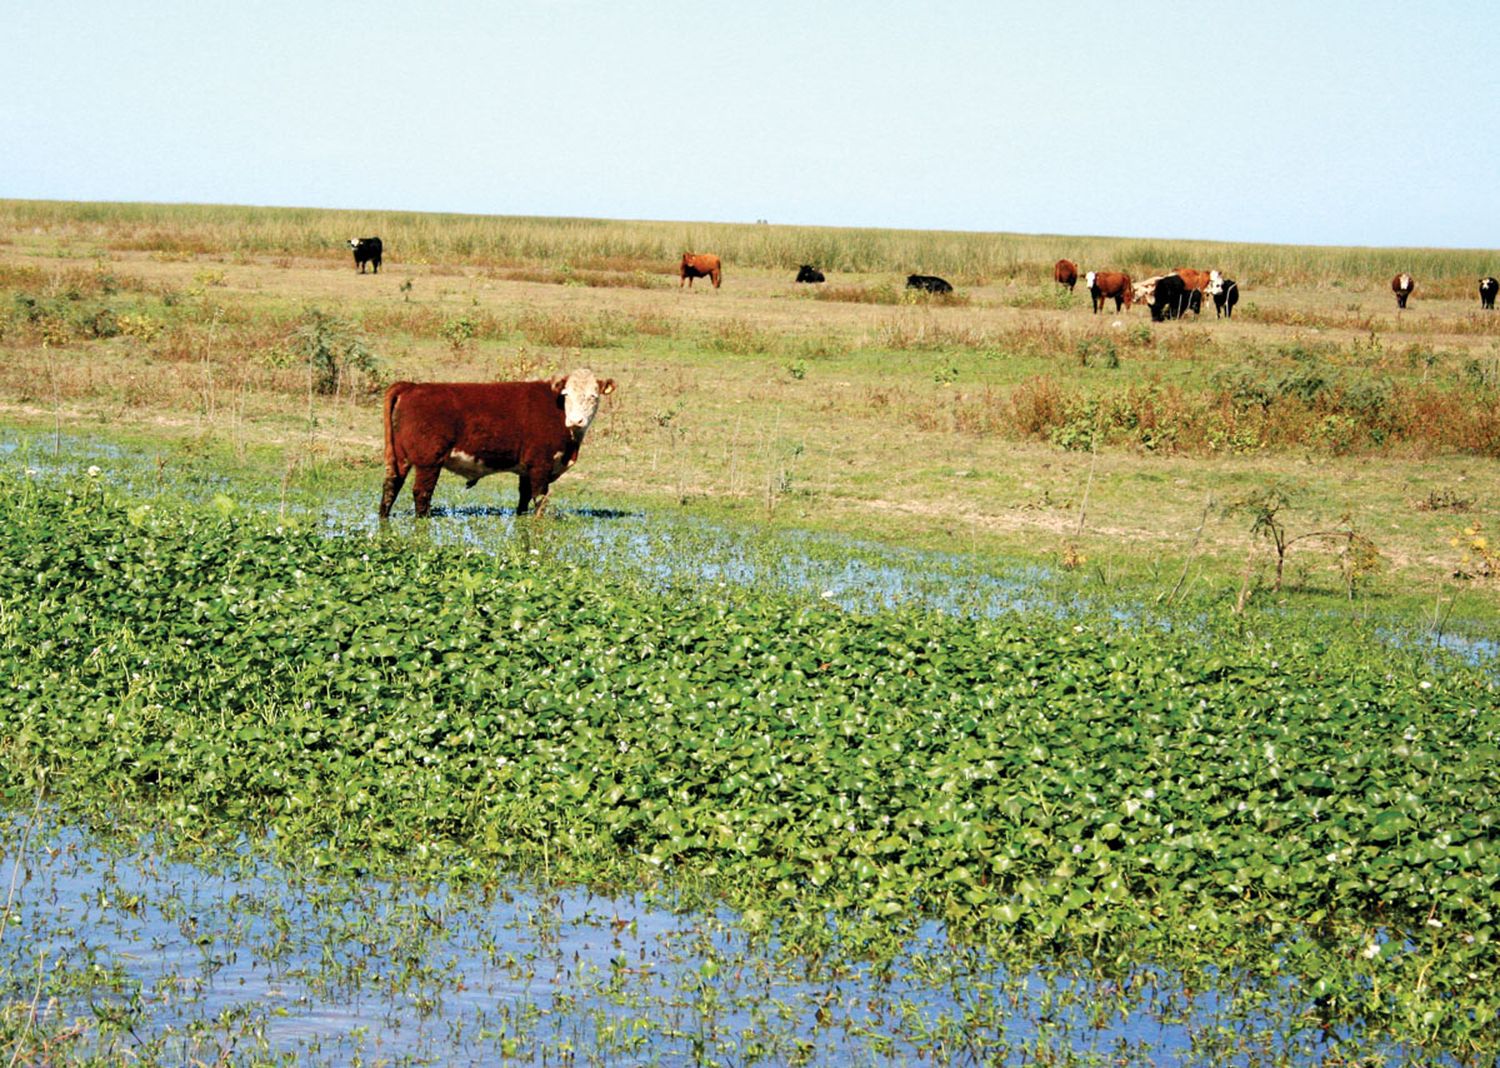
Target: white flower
x=1371, y=951
x=1425, y=684
x=94, y=471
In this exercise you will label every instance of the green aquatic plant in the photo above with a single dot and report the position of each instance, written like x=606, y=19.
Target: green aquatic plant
x=1275, y=801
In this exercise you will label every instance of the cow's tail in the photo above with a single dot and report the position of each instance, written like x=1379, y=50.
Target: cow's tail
x=391, y=396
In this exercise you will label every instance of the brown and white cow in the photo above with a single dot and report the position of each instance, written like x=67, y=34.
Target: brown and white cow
x=474, y=429
x=1402, y=285
x=700, y=265
x=1065, y=273
x=1109, y=285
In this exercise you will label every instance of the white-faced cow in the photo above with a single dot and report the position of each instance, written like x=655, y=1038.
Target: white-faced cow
x=474, y=429
x=1402, y=285
x=810, y=274
x=1487, y=288
x=1065, y=273
x=700, y=265
x=1109, y=285
x=366, y=250
x=1226, y=294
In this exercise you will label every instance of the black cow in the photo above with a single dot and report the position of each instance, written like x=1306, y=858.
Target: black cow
x=1487, y=287
x=929, y=282
x=366, y=250
x=1226, y=294
x=1171, y=299
x=807, y=273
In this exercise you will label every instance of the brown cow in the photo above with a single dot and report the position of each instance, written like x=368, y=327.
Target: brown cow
x=1065, y=273
x=1194, y=279
x=1402, y=285
x=1104, y=285
x=699, y=265
x=476, y=429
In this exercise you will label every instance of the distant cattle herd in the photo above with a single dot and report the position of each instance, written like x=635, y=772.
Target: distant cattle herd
x=534, y=429
x=1167, y=296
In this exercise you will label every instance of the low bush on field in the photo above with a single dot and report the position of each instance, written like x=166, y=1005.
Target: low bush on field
x=1069, y=781
x=1246, y=410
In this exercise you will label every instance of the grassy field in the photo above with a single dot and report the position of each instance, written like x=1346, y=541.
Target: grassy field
x=1161, y=459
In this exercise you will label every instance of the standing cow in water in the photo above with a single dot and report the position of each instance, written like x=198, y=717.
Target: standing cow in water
x=366, y=250
x=1109, y=285
x=700, y=265
x=474, y=429
x=1402, y=285
x=1065, y=273
x=1487, y=288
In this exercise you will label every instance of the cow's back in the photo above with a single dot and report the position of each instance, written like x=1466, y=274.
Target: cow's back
x=493, y=421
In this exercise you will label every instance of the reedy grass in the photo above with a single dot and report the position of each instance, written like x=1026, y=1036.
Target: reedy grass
x=654, y=246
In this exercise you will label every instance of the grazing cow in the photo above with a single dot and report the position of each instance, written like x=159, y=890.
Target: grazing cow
x=1065, y=273
x=1487, y=287
x=700, y=265
x=476, y=429
x=929, y=282
x=1402, y=285
x=1107, y=285
x=1170, y=298
x=366, y=250
x=807, y=273
x=1226, y=294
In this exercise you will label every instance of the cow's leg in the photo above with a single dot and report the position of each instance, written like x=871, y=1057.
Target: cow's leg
x=535, y=480
x=422, y=487
x=393, y=480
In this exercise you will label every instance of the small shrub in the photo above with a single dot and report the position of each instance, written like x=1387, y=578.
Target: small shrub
x=333, y=351
x=1443, y=500
x=458, y=333
x=140, y=327
x=1097, y=351
x=1479, y=559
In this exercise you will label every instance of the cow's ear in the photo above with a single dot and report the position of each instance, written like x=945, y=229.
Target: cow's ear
x=559, y=384
x=607, y=386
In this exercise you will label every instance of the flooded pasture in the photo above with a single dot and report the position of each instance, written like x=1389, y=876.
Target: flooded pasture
x=125, y=950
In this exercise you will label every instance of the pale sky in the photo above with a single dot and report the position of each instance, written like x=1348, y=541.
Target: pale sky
x=1307, y=122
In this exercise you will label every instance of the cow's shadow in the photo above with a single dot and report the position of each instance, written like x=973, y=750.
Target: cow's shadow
x=471, y=511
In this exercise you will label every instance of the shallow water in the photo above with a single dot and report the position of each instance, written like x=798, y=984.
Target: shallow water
x=159, y=959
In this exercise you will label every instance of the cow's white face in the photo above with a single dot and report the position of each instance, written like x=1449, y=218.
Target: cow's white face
x=581, y=391
x=1406, y=281
x=1088, y=280
x=354, y=242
